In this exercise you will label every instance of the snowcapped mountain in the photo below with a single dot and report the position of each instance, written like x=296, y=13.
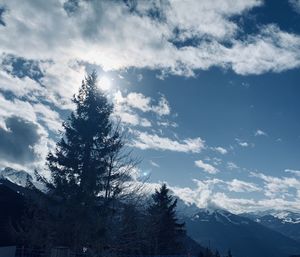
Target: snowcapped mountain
x=246, y=238
x=186, y=210
x=285, y=222
x=18, y=177
x=283, y=216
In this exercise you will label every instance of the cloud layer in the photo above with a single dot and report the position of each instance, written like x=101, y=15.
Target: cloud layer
x=216, y=193
x=181, y=37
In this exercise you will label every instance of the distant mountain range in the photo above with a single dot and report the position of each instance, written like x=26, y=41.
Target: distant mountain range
x=263, y=234
x=285, y=222
x=245, y=237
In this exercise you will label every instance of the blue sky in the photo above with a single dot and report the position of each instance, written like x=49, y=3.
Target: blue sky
x=206, y=90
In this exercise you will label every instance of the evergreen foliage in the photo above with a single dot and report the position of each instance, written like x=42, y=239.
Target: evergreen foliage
x=166, y=233
x=81, y=164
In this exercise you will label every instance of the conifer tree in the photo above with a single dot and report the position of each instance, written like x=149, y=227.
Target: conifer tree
x=129, y=239
x=80, y=165
x=87, y=169
x=166, y=233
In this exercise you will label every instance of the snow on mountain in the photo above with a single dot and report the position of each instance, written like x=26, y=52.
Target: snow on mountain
x=283, y=216
x=287, y=216
x=221, y=229
x=284, y=222
x=19, y=177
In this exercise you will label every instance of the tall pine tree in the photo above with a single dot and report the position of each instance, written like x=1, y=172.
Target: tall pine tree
x=87, y=169
x=166, y=233
x=81, y=164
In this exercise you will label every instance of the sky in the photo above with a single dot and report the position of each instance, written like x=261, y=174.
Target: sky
x=206, y=90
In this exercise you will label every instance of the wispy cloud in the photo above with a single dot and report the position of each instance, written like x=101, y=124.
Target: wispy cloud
x=144, y=140
x=291, y=171
x=154, y=164
x=220, y=150
x=206, y=167
x=242, y=186
x=232, y=166
x=243, y=143
x=260, y=132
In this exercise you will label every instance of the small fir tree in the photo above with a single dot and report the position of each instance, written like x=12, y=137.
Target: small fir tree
x=166, y=232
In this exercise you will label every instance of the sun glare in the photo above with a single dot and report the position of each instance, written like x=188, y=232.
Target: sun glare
x=105, y=83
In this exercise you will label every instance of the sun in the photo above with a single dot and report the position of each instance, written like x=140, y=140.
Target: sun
x=105, y=83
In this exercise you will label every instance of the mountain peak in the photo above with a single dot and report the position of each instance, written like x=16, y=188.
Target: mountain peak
x=19, y=177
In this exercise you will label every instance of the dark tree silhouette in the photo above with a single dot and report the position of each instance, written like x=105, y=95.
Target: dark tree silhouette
x=88, y=171
x=80, y=166
x=130, y=235
x=165, y=232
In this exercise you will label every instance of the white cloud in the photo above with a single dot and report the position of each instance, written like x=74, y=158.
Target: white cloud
x=232, y=166
x=242, y=186
x=242, y=143
x=93, y=34
x=201, y=195
x=220, y=150
x=295, y=172
x=167, y=123
x=206, y=194
x=127, y=107
x=131, y=118
x=154, y=164
x=123, y=108
x=51, y=118
x=259, y=132
x=271, y=50
x=137, y=100
x=34, y=113
x=206, y=167
x=276, y=186
x=163, y=107
x=144, y=140
x=18, y=86
x=143, y=103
